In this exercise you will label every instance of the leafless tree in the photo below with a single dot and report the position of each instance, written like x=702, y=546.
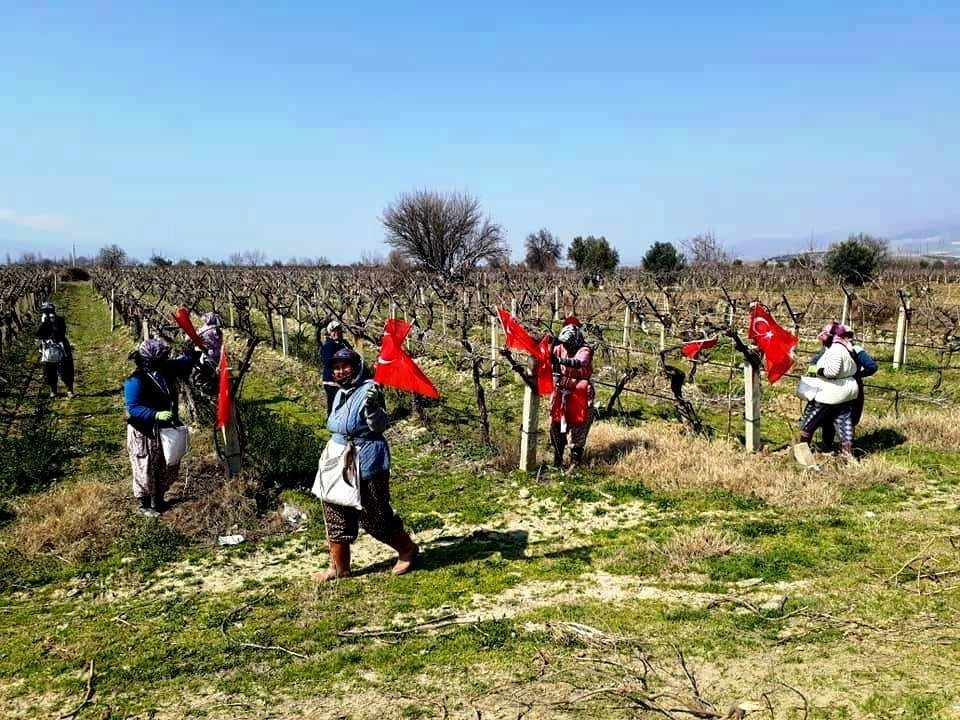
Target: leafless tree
x=446, y=234
x=543, y=250
x=705, y=249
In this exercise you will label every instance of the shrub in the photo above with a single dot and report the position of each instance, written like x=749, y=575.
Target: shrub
x=279, y=450
x=664, y=262
x=857, y=259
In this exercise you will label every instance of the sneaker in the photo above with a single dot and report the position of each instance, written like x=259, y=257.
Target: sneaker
x=53, y=394
x=69, y=393
x=147, y=512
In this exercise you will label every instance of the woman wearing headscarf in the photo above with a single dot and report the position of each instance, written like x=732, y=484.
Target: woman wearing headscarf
x=334, y=343
x=150, y=396
x=359, y=417
x=837, y=388
x=571, y=413
x=52, y=333
x=866, y=366
x=211, y=333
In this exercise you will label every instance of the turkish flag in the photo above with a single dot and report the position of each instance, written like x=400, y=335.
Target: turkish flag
x=519, y=339
x=224, y=397
x=692, y=348
x=776, y=343
x=182, y=317
x=397, y=369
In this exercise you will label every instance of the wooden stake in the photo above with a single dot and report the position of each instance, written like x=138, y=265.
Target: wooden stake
x=283, y=332
x=751, y=407
x=494, y=353
x=900, y=344
x=529, y=430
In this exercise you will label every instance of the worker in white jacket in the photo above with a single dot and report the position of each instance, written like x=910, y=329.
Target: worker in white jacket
x=834, y=388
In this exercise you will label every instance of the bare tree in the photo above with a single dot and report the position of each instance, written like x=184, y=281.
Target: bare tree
x=705, y=249
x=446, y=234
x=111, y=257
x=544, y=250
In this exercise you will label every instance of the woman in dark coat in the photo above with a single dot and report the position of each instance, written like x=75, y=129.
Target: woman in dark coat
x=52, y=331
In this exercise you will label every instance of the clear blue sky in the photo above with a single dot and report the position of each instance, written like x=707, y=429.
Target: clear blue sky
x=288, y=126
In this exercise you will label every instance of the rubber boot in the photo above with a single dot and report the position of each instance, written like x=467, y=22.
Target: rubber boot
x=159, y=504
x=145, y=510
x=407, y=551
x=339, y=563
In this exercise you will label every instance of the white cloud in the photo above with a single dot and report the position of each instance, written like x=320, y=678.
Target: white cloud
x=43, y=223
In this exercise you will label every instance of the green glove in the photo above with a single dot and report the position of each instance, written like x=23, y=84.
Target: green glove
x=812, y=370
x=373, y=398
x=164, y=415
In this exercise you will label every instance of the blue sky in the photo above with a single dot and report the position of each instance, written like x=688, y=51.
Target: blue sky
x=202, y=129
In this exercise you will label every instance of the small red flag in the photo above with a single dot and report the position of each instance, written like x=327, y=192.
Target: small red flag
x=693, y=348
x=397, y=369
x=224, y=398
x=182, y=317
x=776, y=343
x=518, y=338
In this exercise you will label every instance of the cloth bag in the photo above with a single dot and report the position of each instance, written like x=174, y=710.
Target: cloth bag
x=808, y=387
x=51, y=352
x=338, y=475
x=175, y=442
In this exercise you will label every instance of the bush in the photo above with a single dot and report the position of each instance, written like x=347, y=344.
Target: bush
x=664, y=262
x=75, y=274
x=593, y=254
x=279, y=450
x=857, y=259
x=34, y=455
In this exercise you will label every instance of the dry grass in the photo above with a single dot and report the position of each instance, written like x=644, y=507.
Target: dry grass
x=208, y=505
x=74, y=522
x=930, y=429
x=698, y=543
x=665, y=458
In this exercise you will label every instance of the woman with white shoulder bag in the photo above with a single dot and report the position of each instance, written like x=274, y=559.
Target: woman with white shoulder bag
x=156, y=439
x=354, y=475
x=831, y=388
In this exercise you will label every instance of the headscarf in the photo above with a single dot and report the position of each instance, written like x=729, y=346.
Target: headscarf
x=150, y=354
x=356, y=367
x=834, y=331
x=570, y=335
x=212, y=319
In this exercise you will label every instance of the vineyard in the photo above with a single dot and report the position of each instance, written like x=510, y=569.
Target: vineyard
x=689, y=568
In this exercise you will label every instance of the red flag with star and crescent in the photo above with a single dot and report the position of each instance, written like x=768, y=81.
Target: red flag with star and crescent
x=692, y=348
x=397, y=369
x=518, y=338
x=776, y=343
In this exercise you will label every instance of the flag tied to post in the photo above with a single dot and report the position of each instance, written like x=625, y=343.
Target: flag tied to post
x=693, y=348
x=776, y=343
x=224, y=397
x=519, y=339
x=182, y=318
x=397, y=369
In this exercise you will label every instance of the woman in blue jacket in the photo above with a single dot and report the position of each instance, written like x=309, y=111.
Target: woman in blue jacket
x=359, y=417
x=150, y=397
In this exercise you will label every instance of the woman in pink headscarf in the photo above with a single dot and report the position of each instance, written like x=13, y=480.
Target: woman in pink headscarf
x=836, y=388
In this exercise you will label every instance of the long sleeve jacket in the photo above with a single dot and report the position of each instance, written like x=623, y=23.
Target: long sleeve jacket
x=362, y=420
x=145, y=393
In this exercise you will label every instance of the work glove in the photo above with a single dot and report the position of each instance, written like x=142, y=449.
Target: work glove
x=812, y=370
x=374, y=398
x=164, y=415
x=557, y=380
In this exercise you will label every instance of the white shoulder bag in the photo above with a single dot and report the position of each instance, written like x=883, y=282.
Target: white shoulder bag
x=338, y=475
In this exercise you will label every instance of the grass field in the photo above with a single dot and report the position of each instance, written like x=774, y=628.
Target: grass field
x=673, y=576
